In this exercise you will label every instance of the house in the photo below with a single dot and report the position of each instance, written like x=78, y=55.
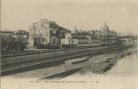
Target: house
x=45, y=33
x=67, y=41
x=80, y=39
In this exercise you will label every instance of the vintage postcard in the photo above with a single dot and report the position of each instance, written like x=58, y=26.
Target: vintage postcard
x=69, y=44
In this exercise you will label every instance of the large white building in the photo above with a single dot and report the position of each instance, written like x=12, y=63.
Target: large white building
x=45, y=32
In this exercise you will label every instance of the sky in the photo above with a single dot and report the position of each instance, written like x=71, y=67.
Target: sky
x=121, y=16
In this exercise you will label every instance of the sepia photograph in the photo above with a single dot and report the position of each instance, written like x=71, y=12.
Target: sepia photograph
x=69, y=44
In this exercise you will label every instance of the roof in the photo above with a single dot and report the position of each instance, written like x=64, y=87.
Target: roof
x=21, y=32
x=6, y=32
x=78, y=36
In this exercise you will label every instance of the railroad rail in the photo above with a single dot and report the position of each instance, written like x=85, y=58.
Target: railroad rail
x=9, y=54
x=6, y=54
x=47, y=60
x=28, y=58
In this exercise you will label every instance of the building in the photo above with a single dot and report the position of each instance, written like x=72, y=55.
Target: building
x=108, y=36
x=80, y=42
x=21, y=39
x=45, y=33
x=94, y=38
x=105, y=35
x=21, y=35
x=80, y=39
x=6, y=36
x=14, y=40
x=127, y=40
x=75, y=39
x=67, y=41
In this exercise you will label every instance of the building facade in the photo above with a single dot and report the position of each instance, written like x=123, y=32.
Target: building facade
x=46, y=33
x=108, y=36
x=67, y=40
x=105, y=35
x=15, y=40
x=80, y=38
x=21, y=39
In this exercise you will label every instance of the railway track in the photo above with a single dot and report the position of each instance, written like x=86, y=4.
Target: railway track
x=45, y=62
x=7, y=54
x=43, y=55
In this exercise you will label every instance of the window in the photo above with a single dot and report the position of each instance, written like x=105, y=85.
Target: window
x=54, y=31
x=54, y=41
